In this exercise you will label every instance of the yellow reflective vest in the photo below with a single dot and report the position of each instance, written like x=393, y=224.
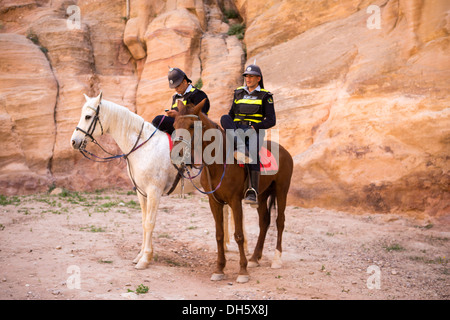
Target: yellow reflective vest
x=249, y=106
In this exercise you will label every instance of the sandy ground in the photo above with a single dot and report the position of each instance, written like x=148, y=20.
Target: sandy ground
x=81, y=246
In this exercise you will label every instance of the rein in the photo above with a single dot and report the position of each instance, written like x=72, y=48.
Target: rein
x=88, y=155
x=191, y=178
x=90, y=131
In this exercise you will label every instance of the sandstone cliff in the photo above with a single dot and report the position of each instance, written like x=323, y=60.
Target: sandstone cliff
x=360, y=88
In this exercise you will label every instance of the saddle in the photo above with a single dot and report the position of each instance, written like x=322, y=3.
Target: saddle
x=268, y=162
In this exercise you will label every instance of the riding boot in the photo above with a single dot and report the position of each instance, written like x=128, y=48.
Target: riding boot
x=251, y=195
x=242, y=154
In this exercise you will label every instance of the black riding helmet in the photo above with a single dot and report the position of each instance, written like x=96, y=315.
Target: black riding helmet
x=253, y=69
x=176, y=76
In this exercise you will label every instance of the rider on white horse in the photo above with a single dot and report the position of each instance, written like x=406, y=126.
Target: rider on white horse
x=185, y=92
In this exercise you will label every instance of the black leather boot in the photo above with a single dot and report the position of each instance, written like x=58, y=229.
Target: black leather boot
x=251, y=195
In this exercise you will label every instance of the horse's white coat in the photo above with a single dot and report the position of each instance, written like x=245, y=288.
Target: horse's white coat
x=150, y=165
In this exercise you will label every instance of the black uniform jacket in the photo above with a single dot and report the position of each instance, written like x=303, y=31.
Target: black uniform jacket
x=194, y=96
x=256, y=107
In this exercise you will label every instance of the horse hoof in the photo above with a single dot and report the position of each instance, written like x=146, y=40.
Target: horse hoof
x=217, y=276
x=242, y=278
x=141, y=265
x=252, y=264
x=276, y=264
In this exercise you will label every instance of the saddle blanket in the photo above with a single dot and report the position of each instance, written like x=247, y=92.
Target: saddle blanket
x=268, y=162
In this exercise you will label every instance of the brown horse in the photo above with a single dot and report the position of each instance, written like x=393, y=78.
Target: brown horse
x=231, y=191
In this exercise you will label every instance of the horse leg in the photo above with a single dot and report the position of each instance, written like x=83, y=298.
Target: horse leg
x=149, y=225
x=217, y=211
x=143, y=203
x=239, y=237
x=229, y=228
x=226, y=227
x=281, y=202
x=264, y=222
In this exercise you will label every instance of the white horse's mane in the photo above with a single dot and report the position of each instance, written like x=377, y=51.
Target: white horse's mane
x=121, y=118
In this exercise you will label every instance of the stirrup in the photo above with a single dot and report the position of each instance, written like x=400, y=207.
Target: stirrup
x=253, y=204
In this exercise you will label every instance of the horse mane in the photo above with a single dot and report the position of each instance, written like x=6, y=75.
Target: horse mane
x=124, y=119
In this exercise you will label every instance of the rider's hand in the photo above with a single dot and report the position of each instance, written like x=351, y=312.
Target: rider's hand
x=172, y=113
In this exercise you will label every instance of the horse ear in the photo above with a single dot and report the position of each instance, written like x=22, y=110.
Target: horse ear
x=86, y=97
x=180, y=105
x=198, y=108
x=98, y=99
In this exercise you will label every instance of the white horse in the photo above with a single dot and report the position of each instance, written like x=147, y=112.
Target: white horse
x=149, y=166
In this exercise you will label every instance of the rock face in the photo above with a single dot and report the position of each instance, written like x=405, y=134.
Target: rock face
x=72, y=61
x=360, y=89
x=189, y=35
x=372, y=125
x=29, y=120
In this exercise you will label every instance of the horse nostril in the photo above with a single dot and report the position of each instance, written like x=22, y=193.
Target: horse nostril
x=74, y=144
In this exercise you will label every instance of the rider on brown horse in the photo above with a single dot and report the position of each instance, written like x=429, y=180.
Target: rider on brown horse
x=252, y=111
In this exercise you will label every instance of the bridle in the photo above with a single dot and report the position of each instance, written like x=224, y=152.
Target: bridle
x=90, y=156
x=184, y=167
x=90, y=131
x=186, y=142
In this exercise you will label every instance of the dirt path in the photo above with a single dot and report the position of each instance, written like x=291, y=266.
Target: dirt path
x=49, y=242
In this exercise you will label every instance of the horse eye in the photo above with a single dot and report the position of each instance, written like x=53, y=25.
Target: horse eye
x=191, y=126
x=88, y=117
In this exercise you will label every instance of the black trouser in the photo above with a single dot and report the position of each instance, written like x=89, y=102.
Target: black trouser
x=228, y=123
x=166, y=125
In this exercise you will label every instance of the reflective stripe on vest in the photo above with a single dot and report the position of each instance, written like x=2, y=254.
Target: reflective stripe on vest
x=250, y=100
x=245, y=117
x=248, y=117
